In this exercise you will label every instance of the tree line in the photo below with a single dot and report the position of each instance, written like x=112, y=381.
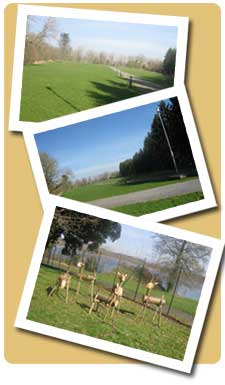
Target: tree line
x=50, y=45
x=79, y=229
x=60, y=180
x=155, y=154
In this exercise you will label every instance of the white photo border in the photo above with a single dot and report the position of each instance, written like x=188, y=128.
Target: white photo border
x=207, y=202
x=185, y=365
x=23, y=11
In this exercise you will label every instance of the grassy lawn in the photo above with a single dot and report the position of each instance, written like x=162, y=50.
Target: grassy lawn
x=154, y=77
x=112, y=187
x=55, y=89
x=182, y=305
x=170, y=340
x=142, y=208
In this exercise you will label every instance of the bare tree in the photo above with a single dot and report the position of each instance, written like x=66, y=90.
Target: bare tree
x=175, y=255
x=51, y=170
x=38, y=45
x=182, y=260
x=49, y=30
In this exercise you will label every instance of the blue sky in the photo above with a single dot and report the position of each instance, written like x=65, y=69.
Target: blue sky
x=115, y=37
x=98, y=145
x=134, y=242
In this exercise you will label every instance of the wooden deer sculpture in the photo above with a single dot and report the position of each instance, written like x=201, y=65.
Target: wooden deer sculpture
x=85, y=277
x=110, y=302
x=150, y=285
x=63, y=282
x=158, y=302
x=148, y=300
x=113, y=301
x=118, y=288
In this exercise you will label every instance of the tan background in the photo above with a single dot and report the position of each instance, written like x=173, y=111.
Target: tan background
x=23, y=209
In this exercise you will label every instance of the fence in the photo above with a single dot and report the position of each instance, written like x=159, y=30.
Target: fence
x=107, y=265
x=145, y=85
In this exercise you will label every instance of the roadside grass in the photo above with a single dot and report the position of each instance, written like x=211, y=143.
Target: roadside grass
x=151, y=76
x=112, y=187
x=142, y=208
x=126, y=329
x=55, y=89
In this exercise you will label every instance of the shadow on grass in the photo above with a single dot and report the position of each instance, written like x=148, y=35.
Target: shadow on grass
x=112, y=92
x=62, y=98
x=83, y=305
x=125, y=311
x=48, y=290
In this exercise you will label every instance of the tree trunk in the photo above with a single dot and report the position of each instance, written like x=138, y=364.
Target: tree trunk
x=178, y=277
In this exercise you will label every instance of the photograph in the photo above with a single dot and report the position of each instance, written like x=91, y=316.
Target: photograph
x=76, y=60
x=137, y=289
x=138, y=161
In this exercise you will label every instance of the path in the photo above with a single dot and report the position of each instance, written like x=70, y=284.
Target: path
x=152, y=194
x=138, y=82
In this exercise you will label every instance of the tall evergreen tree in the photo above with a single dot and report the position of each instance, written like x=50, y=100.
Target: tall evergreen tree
x=155, y=154
x=169, y=62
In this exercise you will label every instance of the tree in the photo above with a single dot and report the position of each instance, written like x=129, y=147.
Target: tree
x=79, y=229
x=169, y=62
x=58, y=180
x=181, y=261
x=64, y=44
x=49, y=30
x=51, y=170
x=38, y=45
x=155, y=154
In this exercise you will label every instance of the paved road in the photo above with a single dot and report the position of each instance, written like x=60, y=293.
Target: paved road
x=153, y=194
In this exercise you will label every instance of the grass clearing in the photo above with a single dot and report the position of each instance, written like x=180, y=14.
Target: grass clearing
x=113, y=187
x=151, y=76
x=170, y=340
x=55, y=89
x=142, y=208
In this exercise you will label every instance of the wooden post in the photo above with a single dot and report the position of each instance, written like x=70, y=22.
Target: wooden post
x=117, y=270
x=139, y=280
x=52, y=254
x=130, y=82
x=178, y=278
x=78, y=288
x=59, y=259
x=81, y=270
x=92, y=290
x=93, y=263
x=83, y=254
x=98, y=261
x=67, y=292
x=49, y=255
x=143, y=312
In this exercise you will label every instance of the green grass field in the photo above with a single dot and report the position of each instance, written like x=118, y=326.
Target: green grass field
x=170, y=340
x=142, y=208
x=154, y=77
x=112, y=187
x=55, y=89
